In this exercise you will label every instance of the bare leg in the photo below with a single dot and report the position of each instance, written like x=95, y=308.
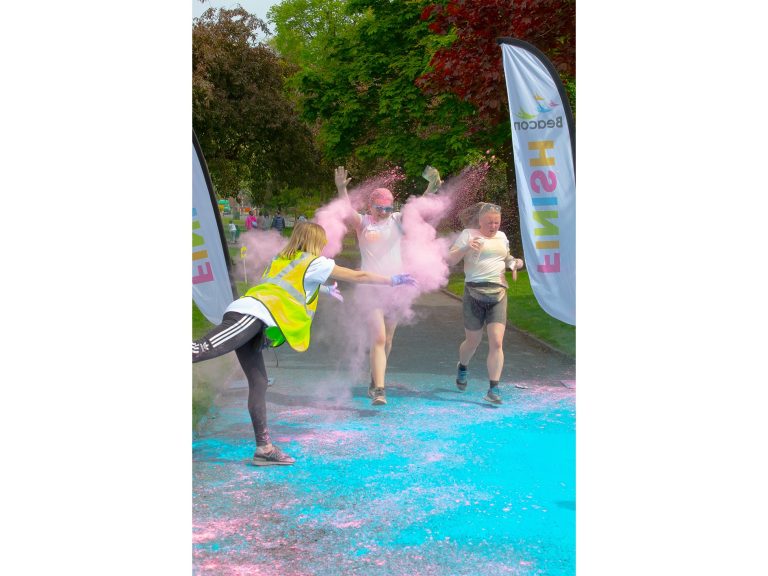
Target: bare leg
x=468, y=348
x=390, y=326
x=495, y=360
x=378, y=355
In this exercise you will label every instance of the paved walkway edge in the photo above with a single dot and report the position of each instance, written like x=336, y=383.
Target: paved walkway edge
x=546, y=345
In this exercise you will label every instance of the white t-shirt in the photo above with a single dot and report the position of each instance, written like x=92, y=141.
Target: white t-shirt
x=380, y=244
x=317, y=273
x=487, y=265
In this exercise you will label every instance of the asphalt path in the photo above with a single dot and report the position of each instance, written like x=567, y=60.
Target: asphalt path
x=437, y=481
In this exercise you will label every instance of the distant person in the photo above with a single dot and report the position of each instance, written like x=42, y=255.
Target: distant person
x=252, y=220
x=279, y=309
x=278, y=222
x=485, y=251
x=233, y=232
x=264, y=221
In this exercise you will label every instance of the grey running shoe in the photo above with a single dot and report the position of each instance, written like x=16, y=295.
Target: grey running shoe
x=275, y=457
x=461, y=378
x=379, y=396
x=371, y=395
x=493, y=396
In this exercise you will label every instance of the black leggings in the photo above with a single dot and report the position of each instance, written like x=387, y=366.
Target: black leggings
x=245, y=335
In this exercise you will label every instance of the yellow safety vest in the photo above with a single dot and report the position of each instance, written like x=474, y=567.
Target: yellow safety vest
x=281, y=290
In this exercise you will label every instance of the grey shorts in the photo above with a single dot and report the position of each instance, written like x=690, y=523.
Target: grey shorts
x=477, y=314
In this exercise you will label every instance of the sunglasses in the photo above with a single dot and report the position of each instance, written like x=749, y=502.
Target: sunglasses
x=383, y=208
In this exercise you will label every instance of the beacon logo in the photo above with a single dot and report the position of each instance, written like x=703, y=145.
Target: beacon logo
x=542, y=107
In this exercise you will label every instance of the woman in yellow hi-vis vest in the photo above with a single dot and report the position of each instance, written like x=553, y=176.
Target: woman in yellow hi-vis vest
x=279, y=309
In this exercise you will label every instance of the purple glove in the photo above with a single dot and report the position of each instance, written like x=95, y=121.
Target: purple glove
x=333, y=290
x=406, y=279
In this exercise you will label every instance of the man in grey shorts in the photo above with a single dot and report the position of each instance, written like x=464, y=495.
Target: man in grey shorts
x=485, y=251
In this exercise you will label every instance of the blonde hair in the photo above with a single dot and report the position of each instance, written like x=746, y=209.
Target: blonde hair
x=306, y=237
x=470, y=216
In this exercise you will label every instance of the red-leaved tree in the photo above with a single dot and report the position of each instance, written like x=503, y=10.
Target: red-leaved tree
x=471, y=68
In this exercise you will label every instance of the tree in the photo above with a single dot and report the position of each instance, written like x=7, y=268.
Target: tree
x=470, y=66
x=304, y=29
x=360, y=91
x=249, y=130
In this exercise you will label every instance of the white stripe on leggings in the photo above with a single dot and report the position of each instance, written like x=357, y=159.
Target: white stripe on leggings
x=236, y=327
x=232, y=331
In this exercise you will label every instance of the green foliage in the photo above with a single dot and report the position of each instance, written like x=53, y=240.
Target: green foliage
x=570, y=88
x=304, y=29
x=359, y=89
x=203, y=392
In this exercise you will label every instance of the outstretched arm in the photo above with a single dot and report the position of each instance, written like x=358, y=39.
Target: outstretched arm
x=364, y=277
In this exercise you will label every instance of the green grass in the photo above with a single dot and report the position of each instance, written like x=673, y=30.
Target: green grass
x=524, y=312
x=200, y=324
x=203, y=391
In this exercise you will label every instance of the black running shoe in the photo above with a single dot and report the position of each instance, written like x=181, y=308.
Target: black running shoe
x=379, y=396
x=461, y=377
x=493, y=396
x=275, y=457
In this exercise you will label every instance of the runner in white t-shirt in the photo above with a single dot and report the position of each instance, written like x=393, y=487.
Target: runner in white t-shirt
x=379, y=234
x=485, y=250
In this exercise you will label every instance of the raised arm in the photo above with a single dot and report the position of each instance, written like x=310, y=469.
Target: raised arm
x=432, y=176
x=342, y=178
